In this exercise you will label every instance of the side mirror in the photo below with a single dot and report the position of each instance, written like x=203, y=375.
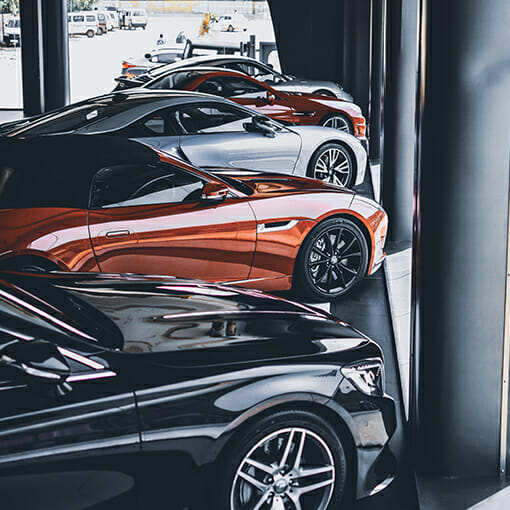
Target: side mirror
x=270, y=97
x=214, y=192
x=38, y=360
x=260, y=125
x=147, y=55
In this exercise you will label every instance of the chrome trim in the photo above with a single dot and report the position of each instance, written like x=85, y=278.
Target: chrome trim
x=47, y=316
x=381, y=486
x=80, y=359
x=90, y=376
x=261, y=227
x=250, y=280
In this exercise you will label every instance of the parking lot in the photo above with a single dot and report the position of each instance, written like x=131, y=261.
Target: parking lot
x=95, y=62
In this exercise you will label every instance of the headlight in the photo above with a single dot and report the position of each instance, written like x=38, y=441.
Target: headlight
x=367, y=376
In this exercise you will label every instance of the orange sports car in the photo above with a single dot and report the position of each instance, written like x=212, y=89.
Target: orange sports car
x=295, y=108
x=98, y=203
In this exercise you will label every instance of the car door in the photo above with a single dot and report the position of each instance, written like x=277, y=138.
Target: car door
x=150, y=219
x=215, y=135
x=72, y=447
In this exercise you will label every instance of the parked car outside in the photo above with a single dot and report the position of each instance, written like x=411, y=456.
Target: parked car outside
x=83, y=23
x=247, y=65
x=208, y=131
x=231, y=23
x=133, y=66
x=121, y=206
x=12, y=33
x=147, y=390
x=133, y=18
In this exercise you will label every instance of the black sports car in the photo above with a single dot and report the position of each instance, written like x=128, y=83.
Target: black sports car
x=150, y=392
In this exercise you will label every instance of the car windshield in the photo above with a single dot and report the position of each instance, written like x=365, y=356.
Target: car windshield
x=174, y=80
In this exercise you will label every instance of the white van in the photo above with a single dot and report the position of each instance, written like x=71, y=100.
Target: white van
x=133, y=18
x=12, y=32
x=83, y=23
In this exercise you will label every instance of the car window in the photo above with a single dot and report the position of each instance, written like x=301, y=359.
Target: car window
x=78, y=19
x=133, y=185
x=259, y=72
x=211, y=118
x=91, y=18
x=231, y=86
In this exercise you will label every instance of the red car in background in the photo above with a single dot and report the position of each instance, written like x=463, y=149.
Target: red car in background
x=89, y=203
x=294, y=108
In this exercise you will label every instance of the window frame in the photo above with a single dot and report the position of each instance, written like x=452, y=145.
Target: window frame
x=118, y=205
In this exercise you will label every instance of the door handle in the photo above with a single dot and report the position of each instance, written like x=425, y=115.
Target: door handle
x=117, y=233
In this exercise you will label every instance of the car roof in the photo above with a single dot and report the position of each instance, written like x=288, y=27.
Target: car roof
x=57, y=171
x=187, y=62
x=197, y=69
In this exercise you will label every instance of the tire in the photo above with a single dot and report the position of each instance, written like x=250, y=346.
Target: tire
x=338, y=121
x=90, y=34
x=333, y=163
x=266, y=442
x=332, y=260
x=325, y=92
x=28, y=265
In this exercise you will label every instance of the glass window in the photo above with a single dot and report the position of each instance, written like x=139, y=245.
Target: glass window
x=230, y=86
x=132, y=185
x=91, y=18
x=79, y=19
x=212, y=118
x=10, y=58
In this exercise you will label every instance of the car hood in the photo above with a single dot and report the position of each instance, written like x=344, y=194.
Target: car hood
x=183, y=317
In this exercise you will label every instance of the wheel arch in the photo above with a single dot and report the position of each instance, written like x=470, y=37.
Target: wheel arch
x=32, y=257
x=335, y=416
x=342, y=215
x=337, y=114
x=345, y=145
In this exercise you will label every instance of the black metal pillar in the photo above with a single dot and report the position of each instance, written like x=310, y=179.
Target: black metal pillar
x=356, y=51
x=56, y=53
x=461, y=243
x=31, y=56
x=377, y=54
x=310, y=38
x=399, y=117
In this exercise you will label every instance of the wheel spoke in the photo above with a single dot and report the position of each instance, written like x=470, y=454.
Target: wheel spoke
x=260, y=466
x=313, y=487
x=355, y=254
x=348, y=269
x=295, y=501
x=342, y=168
x=345, y=247
x=297, y=460
x=253, y=481
x=303, y=473
x=340, y=276
x=286, y=452
x=261, y=501
x=313, y=263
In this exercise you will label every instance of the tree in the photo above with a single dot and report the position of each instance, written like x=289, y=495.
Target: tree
x=9, y=7
x=80, y=5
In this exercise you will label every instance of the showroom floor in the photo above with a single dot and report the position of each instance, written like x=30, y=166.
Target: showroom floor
x=368, y=308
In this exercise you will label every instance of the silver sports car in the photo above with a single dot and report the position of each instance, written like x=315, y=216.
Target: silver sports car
x=208, y=131
x=247, y=65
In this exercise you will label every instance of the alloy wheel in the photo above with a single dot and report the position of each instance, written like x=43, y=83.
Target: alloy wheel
x=338, y=122
x=290, y=469
x=333, y=166
x=335, y=260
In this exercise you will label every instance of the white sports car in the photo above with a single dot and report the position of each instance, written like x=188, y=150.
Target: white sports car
x=208, y=131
